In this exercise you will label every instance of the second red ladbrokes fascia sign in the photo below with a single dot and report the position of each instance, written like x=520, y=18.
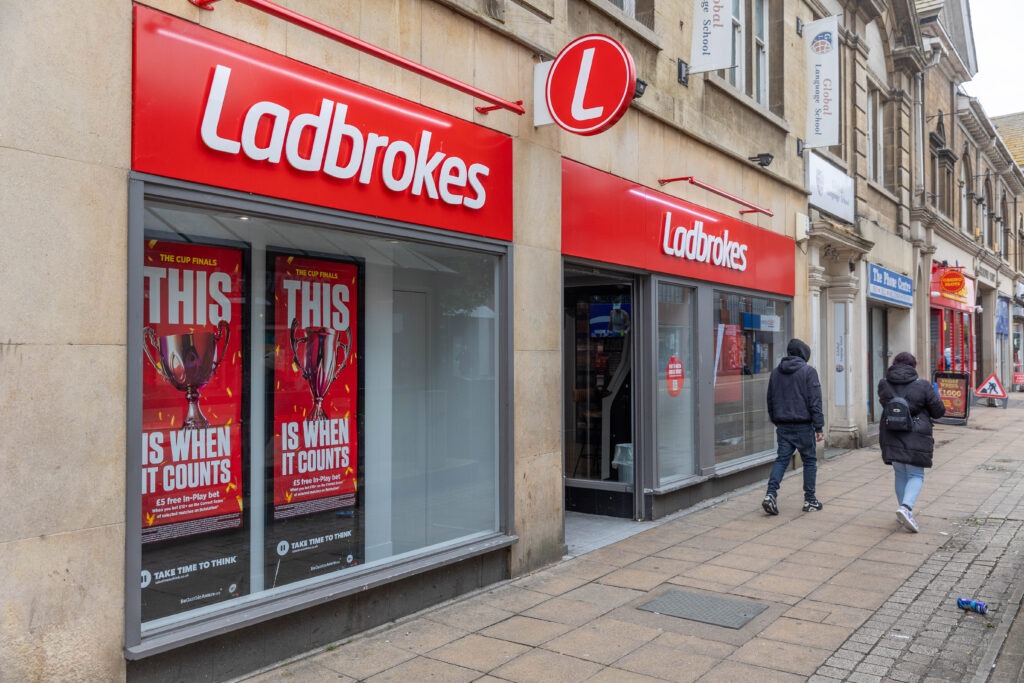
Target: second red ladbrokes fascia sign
x=215, y=110
x=610, y=219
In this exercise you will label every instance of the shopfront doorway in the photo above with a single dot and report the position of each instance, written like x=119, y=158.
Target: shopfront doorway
x=599, y=462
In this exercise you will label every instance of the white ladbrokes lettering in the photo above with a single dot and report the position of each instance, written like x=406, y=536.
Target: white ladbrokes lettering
x=696, y=245
x=402, y=167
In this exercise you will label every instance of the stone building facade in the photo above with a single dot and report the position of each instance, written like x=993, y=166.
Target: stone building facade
x=344, y=328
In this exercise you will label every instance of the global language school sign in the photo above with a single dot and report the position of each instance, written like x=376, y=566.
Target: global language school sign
x=214, y=110
x=610, y=219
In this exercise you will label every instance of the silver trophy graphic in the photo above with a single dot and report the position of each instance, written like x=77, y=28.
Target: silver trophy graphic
x=316, y=354
x=187, y=362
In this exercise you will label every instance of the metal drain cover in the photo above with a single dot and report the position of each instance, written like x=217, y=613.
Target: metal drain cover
x=708, y=609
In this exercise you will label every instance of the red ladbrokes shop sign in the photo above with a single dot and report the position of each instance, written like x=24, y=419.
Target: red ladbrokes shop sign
x=215, y=110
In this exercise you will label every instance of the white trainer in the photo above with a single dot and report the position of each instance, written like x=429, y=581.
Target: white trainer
x=906, y=519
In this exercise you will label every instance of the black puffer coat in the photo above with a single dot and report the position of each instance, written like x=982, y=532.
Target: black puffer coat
x=794, y=393
x=912, y=448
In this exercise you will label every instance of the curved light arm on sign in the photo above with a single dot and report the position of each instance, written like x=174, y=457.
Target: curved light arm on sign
x=751, y=208
x=357, y=44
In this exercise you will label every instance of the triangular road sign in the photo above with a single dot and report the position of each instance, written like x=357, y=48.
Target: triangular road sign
x=990, y=388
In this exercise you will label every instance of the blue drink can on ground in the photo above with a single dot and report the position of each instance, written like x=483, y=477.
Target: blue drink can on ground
x=973, y=605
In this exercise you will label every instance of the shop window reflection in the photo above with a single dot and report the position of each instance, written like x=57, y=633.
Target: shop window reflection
x=675, y=430
x=750, y=336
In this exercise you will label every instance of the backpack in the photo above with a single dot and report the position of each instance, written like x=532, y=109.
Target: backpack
x=896, y=413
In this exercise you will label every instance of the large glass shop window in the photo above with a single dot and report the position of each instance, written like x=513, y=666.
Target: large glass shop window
x=676, y=407
x=315, y=402
x=750, y=338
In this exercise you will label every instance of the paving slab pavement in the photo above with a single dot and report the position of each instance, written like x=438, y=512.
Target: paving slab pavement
x=846, y=594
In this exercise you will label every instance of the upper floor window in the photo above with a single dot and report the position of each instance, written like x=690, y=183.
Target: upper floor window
x=760, y=51
x=739, y=57
x=1003, y=235
x=943, y=160
x=641, y=10
x=966, y=196
x=876, y=133
x=756, y=71
x=986, y=215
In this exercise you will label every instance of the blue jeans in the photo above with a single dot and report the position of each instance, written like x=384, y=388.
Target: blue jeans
x=791, y=438
x=909, y=480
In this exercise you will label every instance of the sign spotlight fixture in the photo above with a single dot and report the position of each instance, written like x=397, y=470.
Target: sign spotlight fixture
x=764, y=159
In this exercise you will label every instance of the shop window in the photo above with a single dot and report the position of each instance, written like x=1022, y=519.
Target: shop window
x=1003, y=234
x=750, y=337
x=675, y=394
x=967, y=195
x=987, y=215
x=318, y=401
x=758, y=71
x=878, y=134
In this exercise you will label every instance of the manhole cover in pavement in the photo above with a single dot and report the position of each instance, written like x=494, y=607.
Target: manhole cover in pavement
x=707, y=609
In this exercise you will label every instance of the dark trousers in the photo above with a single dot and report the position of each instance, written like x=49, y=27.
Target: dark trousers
x=791, y=438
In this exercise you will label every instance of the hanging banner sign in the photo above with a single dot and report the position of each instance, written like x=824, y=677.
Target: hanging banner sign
x=822, y=56
x=711, y=46
x=316, y=385
x=191, y=390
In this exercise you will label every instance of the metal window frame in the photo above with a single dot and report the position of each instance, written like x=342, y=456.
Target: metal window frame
x=138, y=645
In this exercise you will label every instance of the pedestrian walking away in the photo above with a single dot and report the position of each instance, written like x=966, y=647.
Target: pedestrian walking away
x=908, y=451
x=794, y=407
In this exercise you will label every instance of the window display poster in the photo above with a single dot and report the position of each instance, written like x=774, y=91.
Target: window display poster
x=191, y=390
x=729, y=365
x=954, y=388
x=314, y=417
x=194, y=550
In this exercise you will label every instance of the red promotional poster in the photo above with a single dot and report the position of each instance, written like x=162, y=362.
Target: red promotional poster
x=674, y=375
x=316, y=383
x=191, y=389
x=729, y=353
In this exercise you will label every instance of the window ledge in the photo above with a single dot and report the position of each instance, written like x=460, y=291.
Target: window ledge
x=250, y=613
x=683, y=483
x=744, y=463
x=882, y=189
x=725, y=87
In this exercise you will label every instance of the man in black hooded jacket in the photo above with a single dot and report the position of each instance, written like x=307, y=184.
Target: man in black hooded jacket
x=794, y=407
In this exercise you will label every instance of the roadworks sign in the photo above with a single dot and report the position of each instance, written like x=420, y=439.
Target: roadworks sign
x=991, y=388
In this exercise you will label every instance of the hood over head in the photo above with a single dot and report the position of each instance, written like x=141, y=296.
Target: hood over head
x=797, y=347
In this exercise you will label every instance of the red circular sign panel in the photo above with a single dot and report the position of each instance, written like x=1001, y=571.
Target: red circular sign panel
x=952, y=281
x=590, y=84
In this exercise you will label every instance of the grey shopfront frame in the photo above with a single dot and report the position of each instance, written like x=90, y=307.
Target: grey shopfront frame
x=313, y=612
x=652, y=499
